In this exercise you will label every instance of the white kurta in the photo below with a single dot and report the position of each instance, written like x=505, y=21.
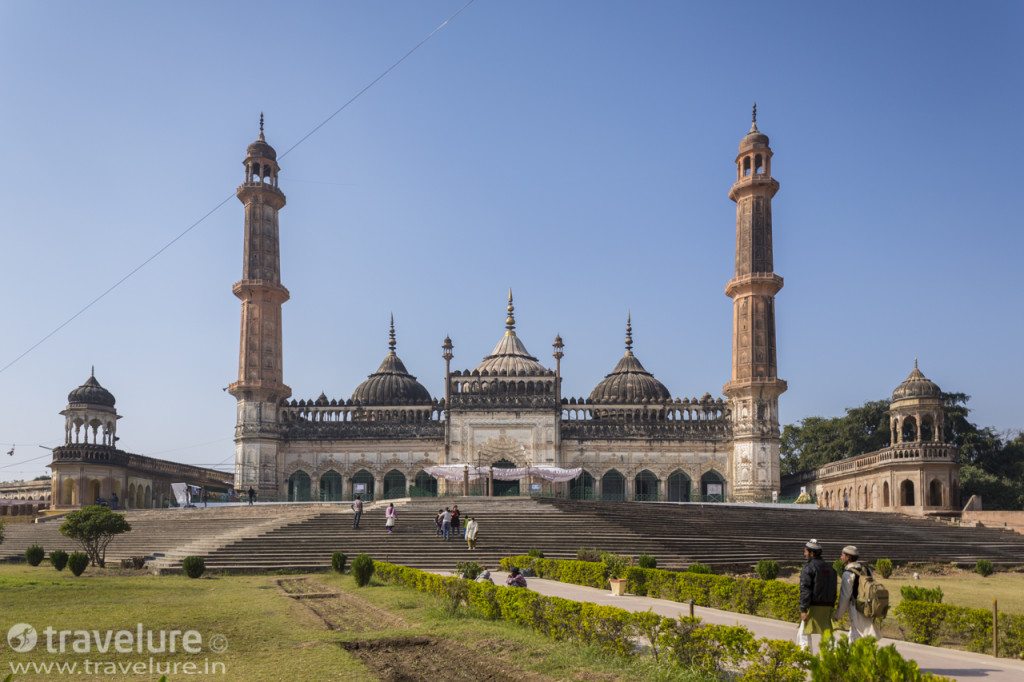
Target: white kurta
x=860, y=625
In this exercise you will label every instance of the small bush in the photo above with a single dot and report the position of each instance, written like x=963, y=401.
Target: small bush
x=59, y=559
x=77, y=561
x=362, y=569
x=698, y=567
x=338, y=561
x=984, y=568
x=458, y=594
x=34, y=555
x=615, y=565
x=194, y=566
x=884, y=567
x=767, y=569
x=646, y=561
x=135, y=562
x=588, y=554
x=915, y=593
x=469, y=570
x=535, y=553
x=840, y=661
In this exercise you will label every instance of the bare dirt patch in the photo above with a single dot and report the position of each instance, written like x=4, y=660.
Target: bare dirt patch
x=423, y=659
x=339, y=611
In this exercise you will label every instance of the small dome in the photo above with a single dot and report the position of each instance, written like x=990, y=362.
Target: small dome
x=629, y=382
x=510, y=355
x=916, y=385
x=391, y=384
x=260, y=146
x=91, y=393
x=754, y=137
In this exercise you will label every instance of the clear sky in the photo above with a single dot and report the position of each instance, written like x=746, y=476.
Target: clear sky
x=579, y=152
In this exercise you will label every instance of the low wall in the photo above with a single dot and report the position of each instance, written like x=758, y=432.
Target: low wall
x=994, y=519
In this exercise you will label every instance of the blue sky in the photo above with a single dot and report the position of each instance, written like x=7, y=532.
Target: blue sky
x=579, y=152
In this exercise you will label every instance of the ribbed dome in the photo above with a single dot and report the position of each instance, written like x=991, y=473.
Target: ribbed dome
x=260, y=146
x=629, y=382
x=917, y=385
x=391, y=384
x=91, y=393
x=510, y=355
x=754, y=137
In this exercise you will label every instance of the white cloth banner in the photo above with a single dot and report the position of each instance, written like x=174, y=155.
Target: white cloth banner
x=457, y=472
x=180, y=491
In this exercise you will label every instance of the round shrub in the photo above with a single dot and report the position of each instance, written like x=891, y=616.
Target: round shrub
x=338, y=561
x=767, y=569
x=884, y=567
x=646, y=561
x=34, y=555
x=469, y=570
x=194, y=566
x=535, y=553
x=59, y=559
x=588, y=554
x=362, y=569
x=77, y=561
x=698, y=568
x=984, y=568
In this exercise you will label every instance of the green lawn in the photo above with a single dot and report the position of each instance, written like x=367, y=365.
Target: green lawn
x=271, y=636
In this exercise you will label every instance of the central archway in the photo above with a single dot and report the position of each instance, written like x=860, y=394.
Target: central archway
x=678, y=487
x=424, y=485
x=645, y=487
x=505, y=488
x=362, y=484
x=613, y=486
x=299, y=487
x=907, y=493
x=331, y=486
x=582, y=487
x=935, y=493
x=712, y=487
x=394, y=484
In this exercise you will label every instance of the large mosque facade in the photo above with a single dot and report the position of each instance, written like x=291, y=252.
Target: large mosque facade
x=632, y=439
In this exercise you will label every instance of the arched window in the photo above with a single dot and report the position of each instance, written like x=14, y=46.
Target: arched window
x=645, y=487
x=885, y=494
x=935, y=493
x=907, y=493
x=394, y=484
x=909, y=430
x=299, y=487
x=362, y=484
x=759, y=164
x=424, y=485
x=582, y=487
x=331, y=486
x=678, y=487
x=613, y=486
x=927, y=428
x=746, y=166
x=712, y=487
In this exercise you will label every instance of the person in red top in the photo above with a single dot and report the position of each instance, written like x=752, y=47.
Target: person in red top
x=515, y=578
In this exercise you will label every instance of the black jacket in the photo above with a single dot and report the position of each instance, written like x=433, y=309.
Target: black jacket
x=817, y=584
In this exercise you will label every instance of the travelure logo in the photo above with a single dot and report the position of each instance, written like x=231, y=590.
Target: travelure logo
x=22, y=637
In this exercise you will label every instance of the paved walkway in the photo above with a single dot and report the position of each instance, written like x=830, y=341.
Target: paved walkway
x=961, y=665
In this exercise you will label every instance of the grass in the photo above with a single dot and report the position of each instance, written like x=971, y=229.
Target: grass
x=272, y=637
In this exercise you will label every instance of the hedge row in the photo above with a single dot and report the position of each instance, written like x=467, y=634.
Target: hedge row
x=768, y=598
x=685, y=642
x=944, y=624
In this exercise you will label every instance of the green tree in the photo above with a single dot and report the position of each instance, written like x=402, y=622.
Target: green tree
x=94, y=527
x=816, y=441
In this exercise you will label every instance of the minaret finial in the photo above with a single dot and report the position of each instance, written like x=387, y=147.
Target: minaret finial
x=753, y=120
x=629, y=331
x=391, y=335
x=92, y=370
x=510, y=321
x=261, y=128
x=915, y=363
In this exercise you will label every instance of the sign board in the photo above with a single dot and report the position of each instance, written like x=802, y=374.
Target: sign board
x=359, y=488
x=535, y=487
x=714, y=488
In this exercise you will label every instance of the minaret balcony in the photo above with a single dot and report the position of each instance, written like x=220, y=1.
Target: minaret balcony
x=762, y=283
x=759, y=182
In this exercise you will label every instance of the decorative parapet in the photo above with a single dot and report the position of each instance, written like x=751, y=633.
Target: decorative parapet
x=601, y=429
x=366, y=430
x=86, y=453
x=896, y=454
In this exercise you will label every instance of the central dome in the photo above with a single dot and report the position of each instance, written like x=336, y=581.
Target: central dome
x=391, y=384
x=917, y=385
x=629, y=382
x=91, y=393
x=510, y=355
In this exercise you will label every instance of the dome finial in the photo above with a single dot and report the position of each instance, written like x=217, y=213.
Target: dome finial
x=510, y=321
x=915, y=363
x=262, y=139
x=753, y=120
x=92, y=371
x=391, y=335
x=629, y=332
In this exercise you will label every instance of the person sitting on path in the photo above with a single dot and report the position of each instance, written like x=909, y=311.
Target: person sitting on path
x=485, y=577
x=515, y=578
x=446, y=523
x=817, y=595
x=389, y=517
x=853, y=593
x=456, y=520
x=357, y=511
x=471, y=529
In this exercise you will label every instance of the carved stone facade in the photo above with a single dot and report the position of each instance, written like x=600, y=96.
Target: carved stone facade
x=632, y=438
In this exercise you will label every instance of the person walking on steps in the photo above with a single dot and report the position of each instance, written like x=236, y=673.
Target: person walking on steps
x=252, y=496
x=817, y=595
x=357, y=511
x=456, y=520
x=471, y=528
x=858, y=595
x=437, y=521
x=389, y=517
x=446, y=523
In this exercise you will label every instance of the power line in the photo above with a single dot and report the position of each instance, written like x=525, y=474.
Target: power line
x=196, y=224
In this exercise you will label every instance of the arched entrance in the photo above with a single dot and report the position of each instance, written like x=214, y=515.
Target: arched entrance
x=147, y=498
x=645, y=487
x=331, y=486
x=394, y=484
x=907, y=494
x=92, y=492
x=362, y=484
x=678, y=487
x=503, y=488
x=582, y=487
x=67, y=491
x=935, y=493
x=712, y=487
x=299, y=487
x=424, y=485
x=613, y=486
x=885, y=493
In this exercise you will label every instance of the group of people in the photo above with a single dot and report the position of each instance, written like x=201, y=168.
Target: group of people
x=859, y=596
x=515, y=578
x=449, y=522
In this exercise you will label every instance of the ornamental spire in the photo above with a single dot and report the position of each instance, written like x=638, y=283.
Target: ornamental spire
x=629, y=333
x=391, y=336
x=753, y=120
x=510, y=321
x=262, y=139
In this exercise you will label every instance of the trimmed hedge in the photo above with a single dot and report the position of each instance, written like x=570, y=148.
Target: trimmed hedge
x=194, y=566
x=34, y=555
x=768, y=598
x=944, y=624
x=933, y=595
x=59, y=559
x=77, y=561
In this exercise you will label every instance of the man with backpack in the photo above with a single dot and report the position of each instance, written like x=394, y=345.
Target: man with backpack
x=860, y=596
x=817, y=595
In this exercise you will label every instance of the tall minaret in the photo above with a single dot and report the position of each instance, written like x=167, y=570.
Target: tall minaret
x=260, y=386
x=755, y=387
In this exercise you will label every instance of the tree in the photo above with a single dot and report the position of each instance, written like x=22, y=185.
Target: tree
x=816, y=441
x=94, y=527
